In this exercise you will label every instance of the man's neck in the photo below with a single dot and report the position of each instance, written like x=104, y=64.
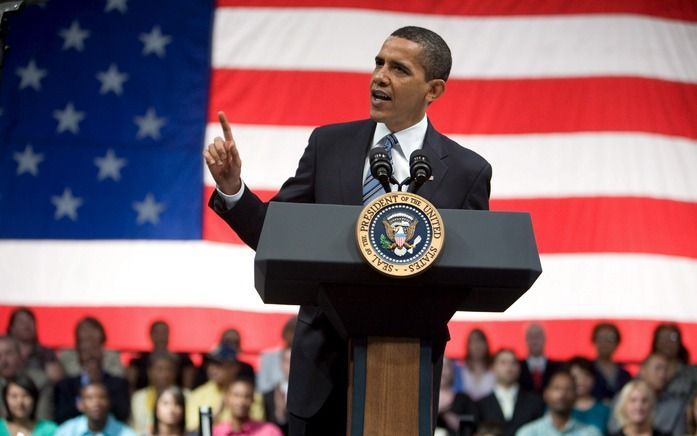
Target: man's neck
x=96, y=425
x=559, y=420
x=506, y=386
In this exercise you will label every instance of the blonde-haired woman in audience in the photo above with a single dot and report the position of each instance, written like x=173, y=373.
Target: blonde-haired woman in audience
x=691, y=416
x=635, y=409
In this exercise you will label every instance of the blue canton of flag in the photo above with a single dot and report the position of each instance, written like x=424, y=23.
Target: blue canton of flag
x=103, y=111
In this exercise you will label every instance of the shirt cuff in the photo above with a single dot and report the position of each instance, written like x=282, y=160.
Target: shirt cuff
x=230, y=200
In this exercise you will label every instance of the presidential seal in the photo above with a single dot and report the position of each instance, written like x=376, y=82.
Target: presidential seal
x=400, y=234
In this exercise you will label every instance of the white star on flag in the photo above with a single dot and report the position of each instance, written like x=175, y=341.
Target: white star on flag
x=68, y=119
x=116, y=5
x=148, y=210
x=110, y=166
x=149, y=125
x=74, y=37
x=66, y=205
x=31, y=76
x=112, y=80
x=28, y=161
x=155, y=42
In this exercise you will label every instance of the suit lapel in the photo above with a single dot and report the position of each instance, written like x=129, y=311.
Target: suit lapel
x=353, y=152
x=435, y=145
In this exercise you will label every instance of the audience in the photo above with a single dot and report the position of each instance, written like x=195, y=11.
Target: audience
x=270, y=367
x=159, y=338
x=90, y=331
x=454, y=408
x=68, y=391
x=21, y=397
x=635, y=409
x=559, y=396
x=691, y=417
x=238, y=400
x=509, y=405
x=536, y=369
x=93, y=403
x=609, y=375
x=667, y=341
x=474, y=376
x=12, y=367
x=22, y=327
x=229, y=340
x=275, y=400
x=161, y=374
x=587, y=408
x=169, y=418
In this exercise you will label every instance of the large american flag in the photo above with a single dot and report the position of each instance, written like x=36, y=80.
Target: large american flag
x=586, y=110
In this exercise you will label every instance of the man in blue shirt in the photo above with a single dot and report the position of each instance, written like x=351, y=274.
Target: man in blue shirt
x=95, y=418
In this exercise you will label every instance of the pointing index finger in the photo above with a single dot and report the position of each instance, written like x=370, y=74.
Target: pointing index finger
x=227, y=132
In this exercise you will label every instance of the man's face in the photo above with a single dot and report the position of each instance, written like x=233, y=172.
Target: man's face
x=94, y=402
x=655, y=372
x=239, y=398
x=399, y=92
x=232, y=338
x=605, y=342
x=23, y=328
x=560, y=394
x=535, y=340
x=667, y=342
x=162, y=373
x=506, y=369
x=159, y=336
x=10, y=360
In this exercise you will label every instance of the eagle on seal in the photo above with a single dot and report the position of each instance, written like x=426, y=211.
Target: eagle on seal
x=398, y=235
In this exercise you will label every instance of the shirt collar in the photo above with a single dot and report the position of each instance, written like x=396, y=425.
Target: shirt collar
x=501, y=391
x=410, y=139
x=570, y=425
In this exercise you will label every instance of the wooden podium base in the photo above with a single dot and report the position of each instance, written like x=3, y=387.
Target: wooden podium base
x=390, y=387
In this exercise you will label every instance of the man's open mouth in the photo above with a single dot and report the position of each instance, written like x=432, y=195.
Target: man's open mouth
x=379, y=95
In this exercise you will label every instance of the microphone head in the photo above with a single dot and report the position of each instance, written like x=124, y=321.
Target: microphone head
x=420, y=165
x=380, y=165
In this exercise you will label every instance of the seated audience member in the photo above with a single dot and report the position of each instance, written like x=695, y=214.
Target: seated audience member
x=454, y=408
x=509, y=405
x=682, y=377
x=474, y=376
x=90, y=332
x=669, y=409
x=275, y=400
x=634, y=410
x=11, y=367
x=67, y=393
x=270, y=366
x=93, y=402
x=560, y=396
x=691, y=417
x=22, y=327
x=162, y=374
x=139, y=366
x=587, y=409
x=536, y=369
x=609, y=375
x=239, y=397
x=223, y=368
x=230, y=339
x=21, y=396
x=169, y=416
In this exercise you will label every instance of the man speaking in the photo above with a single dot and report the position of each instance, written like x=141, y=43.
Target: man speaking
x=410, y=73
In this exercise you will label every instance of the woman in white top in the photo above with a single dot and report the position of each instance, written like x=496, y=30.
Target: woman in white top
x=475, y=376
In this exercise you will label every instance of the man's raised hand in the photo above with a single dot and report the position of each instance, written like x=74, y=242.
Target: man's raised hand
x=223, y=159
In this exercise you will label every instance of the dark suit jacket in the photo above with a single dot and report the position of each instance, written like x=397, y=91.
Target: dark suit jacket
x=67, y=391
x=528, y=407
x=525, y=379
x=331, y=172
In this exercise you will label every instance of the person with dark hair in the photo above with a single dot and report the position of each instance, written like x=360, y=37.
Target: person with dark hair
x=455, y=409
x=536, y=368
x=21, y=397
x=473, y=376
x=22, y=327
x=667, y=341
x=587, y=408
x=159, y=338
x=609, y=375
x=410, y=73
x=93, y=403
x=275, y=408
x=169, y=417
x=270, y=366
x=559, y=395
x=162, y=374
x=90, y=332
x=509, y=404
x=238, y=400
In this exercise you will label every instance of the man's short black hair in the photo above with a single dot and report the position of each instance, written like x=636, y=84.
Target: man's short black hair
x=437, y=59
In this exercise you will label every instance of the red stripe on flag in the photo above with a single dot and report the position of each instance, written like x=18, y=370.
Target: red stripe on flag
x=676, y=9
x=199, y=329
x=574, y=225
x=615, y=104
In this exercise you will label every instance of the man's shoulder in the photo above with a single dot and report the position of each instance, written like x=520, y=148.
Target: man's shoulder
x=535, y=427
x=457, y=150
x=72, y=426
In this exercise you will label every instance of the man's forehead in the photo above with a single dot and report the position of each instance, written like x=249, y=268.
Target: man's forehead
x=401, y=49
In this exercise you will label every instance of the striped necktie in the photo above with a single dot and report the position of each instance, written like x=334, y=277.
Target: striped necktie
x=371, y=186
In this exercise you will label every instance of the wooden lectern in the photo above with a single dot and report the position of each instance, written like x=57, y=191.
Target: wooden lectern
x=307, y=255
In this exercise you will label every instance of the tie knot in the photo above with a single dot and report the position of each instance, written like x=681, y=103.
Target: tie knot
x=388, y=142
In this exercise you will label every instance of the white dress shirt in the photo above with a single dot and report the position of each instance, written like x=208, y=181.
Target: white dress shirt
x=409, y=139
x=506, y=398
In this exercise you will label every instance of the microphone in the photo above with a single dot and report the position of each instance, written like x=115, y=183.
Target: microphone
x=419, y=169
x=381, y=167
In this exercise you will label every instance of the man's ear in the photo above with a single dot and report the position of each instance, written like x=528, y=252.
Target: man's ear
x=436, y=88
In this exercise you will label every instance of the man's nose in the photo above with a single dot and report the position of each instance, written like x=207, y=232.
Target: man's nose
x=380, y=77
